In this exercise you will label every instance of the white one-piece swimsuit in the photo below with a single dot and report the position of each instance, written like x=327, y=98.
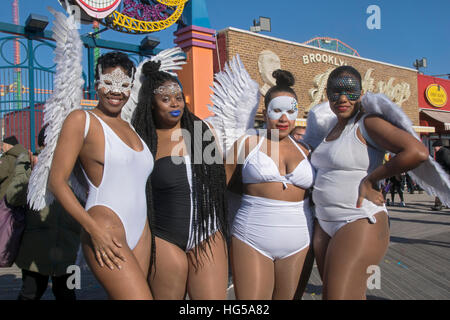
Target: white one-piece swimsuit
x=122, y=189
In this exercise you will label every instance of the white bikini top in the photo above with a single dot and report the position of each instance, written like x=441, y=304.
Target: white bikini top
x=258, y=167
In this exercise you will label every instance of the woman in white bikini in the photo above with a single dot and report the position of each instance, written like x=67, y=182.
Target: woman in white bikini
x=272, y=229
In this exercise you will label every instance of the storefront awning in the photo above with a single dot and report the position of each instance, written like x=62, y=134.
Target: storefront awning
x=440, y=116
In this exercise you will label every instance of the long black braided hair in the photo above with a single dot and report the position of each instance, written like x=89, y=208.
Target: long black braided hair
x=208, y=180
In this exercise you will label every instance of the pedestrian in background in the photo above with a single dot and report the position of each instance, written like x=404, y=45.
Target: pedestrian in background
x=50, y=241
x=11, y=149
x=298, y=133
x=442, y=156
x=396, y=186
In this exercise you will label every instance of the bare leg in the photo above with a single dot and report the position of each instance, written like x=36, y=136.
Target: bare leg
x=354, y=248
x=320, y=246
x=129, y=283
x=305, y=274
x=287, y=275
x=253, y=273
x=168, y=280
x=210, y=279
x=142, y=250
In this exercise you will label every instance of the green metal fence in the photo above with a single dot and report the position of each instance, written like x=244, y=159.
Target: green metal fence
x=25, y=86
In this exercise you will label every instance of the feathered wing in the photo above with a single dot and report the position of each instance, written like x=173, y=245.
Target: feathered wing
x=171, y=59
x=67, y=94
x=429, y=175
x=320, y=121
x=235, y=101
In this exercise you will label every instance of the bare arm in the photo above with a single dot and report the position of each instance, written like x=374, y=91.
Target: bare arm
x=410, y=153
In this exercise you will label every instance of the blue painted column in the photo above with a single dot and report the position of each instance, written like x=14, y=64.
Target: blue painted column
x=31, y=95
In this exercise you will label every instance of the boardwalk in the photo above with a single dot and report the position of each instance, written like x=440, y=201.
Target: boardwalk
x=416, y=265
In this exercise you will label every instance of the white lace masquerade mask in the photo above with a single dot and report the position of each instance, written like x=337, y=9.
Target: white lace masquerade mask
x=116, y=81
x=283, y=105
x=172, y=88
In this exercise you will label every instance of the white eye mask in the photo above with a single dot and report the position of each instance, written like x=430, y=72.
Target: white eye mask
x=117, y=79
x=284, y=104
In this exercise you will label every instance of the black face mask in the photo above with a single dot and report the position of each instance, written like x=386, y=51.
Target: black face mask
x=344, y=85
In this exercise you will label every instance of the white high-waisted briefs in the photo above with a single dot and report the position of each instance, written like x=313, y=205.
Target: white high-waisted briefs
x=276, y=229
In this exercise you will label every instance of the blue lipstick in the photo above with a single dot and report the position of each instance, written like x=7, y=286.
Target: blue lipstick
x=175, y=113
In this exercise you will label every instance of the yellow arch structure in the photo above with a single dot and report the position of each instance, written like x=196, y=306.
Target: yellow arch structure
x=123, y=23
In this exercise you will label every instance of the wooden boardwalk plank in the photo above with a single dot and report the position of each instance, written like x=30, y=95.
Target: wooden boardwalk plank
x=420, y=241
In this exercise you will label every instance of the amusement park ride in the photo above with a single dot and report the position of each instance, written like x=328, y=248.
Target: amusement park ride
x=139, y=17
x=132, y=16
x=127, y=16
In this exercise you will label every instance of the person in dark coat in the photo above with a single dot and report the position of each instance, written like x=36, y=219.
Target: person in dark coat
x=442, y=156
x=11, y=149
x=50, y=241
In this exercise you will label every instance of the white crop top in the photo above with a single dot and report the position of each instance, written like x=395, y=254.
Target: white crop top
x=258, y=167
x=341, y=165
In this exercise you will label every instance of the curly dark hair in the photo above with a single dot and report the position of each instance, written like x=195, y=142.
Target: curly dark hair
x=284, y=83
x=114, y=59
x=208, y=180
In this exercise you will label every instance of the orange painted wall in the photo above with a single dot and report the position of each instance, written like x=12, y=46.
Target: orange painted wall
x=197, y=77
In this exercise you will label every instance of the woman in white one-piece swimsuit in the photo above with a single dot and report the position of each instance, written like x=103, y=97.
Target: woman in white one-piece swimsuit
x=116, y=237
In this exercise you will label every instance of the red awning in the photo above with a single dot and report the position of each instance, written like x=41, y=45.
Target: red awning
x=442, y=117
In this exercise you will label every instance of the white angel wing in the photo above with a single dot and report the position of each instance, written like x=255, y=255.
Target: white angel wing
x=429, y=175
x=235, y=101
x=171, y=59
x=320, y=121
x=68, y=89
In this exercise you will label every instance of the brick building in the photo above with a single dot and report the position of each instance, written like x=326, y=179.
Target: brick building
x=311, y=66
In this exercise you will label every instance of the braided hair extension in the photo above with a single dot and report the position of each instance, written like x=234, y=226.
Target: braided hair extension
x=208, y=180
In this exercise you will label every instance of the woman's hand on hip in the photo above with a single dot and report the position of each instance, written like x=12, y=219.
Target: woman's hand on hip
x=369, y=192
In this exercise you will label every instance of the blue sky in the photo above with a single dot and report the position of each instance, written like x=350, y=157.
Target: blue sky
x=410, y=29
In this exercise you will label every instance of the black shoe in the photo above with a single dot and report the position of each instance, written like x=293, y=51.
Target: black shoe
x=436, y=208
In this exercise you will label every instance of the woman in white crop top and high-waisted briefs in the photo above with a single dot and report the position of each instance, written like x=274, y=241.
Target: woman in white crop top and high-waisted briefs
x=272, y=229
x=352, y=233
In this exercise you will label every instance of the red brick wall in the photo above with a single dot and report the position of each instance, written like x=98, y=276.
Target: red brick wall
x=249, y=45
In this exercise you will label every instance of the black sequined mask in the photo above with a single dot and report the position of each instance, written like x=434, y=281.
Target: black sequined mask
x=344, y=85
